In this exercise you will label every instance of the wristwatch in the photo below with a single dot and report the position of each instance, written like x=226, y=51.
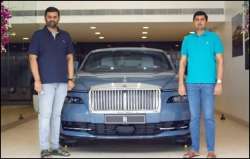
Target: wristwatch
x=219, y=81
x=70, y=79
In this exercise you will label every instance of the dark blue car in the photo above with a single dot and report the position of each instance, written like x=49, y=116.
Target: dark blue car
x=125, y=93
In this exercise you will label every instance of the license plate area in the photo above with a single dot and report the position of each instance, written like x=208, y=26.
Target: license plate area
x=125, y=119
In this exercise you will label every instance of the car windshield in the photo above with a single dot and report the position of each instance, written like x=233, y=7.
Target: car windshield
x=126, y=61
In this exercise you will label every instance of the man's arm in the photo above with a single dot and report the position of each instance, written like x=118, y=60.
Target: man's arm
x=35, y=72
x=219, y=60
x=70, y=63
x=182, y=67
x=218, y=87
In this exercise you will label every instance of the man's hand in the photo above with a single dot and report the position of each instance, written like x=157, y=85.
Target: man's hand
x=35, y=73
x=38, y=86
x=218, y=86
x=182, y=90
x=71, y=85
x=218, y=89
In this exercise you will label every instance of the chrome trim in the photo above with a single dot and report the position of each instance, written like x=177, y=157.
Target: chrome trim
x=171, y=128
x=85, y=129
x=125, y=98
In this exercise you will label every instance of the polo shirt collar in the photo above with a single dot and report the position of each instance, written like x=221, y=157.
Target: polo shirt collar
x=203, y=34
x=45, y=28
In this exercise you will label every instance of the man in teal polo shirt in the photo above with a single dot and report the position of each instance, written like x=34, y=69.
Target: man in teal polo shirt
x=202, y=52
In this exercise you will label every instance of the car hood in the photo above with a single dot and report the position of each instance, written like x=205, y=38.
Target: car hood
x=165, y=80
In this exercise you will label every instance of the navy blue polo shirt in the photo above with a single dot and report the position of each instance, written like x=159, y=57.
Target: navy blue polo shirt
x=52, y=54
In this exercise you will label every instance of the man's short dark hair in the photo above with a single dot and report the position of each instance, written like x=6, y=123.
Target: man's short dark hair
x=200, y=13
x=52, y=9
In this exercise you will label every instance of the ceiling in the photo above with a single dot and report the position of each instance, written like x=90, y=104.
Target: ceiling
x=114, y=32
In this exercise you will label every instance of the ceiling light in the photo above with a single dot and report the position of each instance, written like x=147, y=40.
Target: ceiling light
x=101, y=37
x=25, y=38
x=92, y=27
x=144, y=32
x=97, y=33
x=144, y=37
x=145, y=27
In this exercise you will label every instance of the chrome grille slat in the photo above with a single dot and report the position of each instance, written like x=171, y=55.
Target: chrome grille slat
x=125, y=100
x=134, y=104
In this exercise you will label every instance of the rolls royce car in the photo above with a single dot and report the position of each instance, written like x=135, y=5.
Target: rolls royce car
x=125, y=93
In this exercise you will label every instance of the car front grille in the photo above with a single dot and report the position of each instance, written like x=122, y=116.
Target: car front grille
x=125, y=100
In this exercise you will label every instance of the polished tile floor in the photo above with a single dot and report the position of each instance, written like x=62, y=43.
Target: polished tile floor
x=232, y=141
x=12, y=113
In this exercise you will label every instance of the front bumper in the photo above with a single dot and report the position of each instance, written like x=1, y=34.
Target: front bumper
x=122, y=131
x=79, y=122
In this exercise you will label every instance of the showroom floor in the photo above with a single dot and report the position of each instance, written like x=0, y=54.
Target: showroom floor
x=21, y=140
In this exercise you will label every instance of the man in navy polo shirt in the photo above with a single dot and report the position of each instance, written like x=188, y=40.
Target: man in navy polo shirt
x=202, y=51
x=51, y=60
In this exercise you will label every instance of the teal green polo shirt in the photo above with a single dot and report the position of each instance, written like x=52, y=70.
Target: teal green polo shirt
x=201, y=51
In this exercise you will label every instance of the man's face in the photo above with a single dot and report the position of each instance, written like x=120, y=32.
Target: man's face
x=52, y=19
x=200, y=22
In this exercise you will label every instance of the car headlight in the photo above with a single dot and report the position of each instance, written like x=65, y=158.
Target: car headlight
x=177, y=99
x=73, y=100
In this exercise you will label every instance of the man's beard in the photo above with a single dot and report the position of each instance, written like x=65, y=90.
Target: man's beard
x=51, y=24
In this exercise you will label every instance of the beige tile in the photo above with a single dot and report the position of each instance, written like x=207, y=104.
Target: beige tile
x=10, y=113
x=232, y=140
